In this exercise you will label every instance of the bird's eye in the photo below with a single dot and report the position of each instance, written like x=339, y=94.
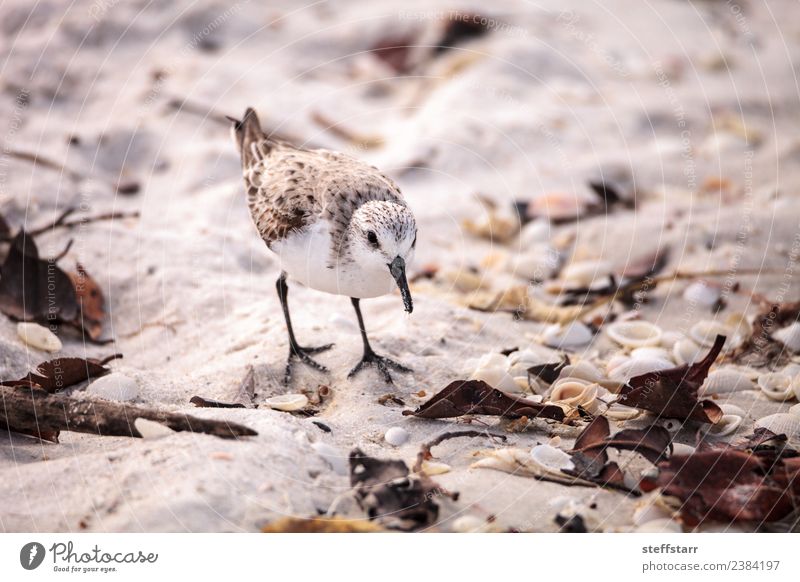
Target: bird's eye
x=372, y=238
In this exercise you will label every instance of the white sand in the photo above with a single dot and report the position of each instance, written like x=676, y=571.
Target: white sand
x=540, y=106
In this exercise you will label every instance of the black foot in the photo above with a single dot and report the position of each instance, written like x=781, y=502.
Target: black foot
x=303, y=354
x=382, y=363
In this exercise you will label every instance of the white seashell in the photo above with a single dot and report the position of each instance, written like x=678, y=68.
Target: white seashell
x=660, y=526
x=776, y=386
x=396, y=436
x=551, y=458
x=567, y=389
x=582, y=370
x=338, y=460
x=492, y=360
x=469, y=524
x=497, y=378
x=150, y=429
x=651, y=352
x=789, y=336
x=704, y=332
x=634, y=334
x=39, y=337
x=433, y=468
x=733, y=409
x=792, y=369
x=585, y=273
x=687, y=351
x=725, y=381
x=795, y=409
x=114, y=387
x=638, y=366
x=796, y=387
x=287, y=402
x=621, y=412
x=670, y=338
x=702, y=293
x=781, y=423
x=728, y=424
x=573, y=335
x=682, y=449
x=534, y=233
x=537, y=263
x=616, y=360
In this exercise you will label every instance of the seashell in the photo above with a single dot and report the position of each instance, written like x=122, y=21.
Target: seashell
x=39, y=337
x=682, y=449
x=115, y=386
x=733, y=409
x=728, y=424
x=621, y=412
x=702, y=293
x=433, y=468
x=687, y=351
x=651, y=352
x=789, y=336
x=634, y=334
x=795, y=409
x=497, y=378
x=465, y=280
x=796, y=387
x=493, y=227
x=660, y=526
x=337, y=460
x=616, y=360
x=781, y=423
x=535, y=232
x=287, y=402
x=638, y=366
x=396, y=436
x=725, y=381
x=704, y=332
x=551, y=459
x=535, y=264
x=556, y=206
x=469, y=524
x=670, y=338
x=585, y=273
x=776, y=386
x=568, y=336
x=574, y=392
x=583, y=370
x=150, y=429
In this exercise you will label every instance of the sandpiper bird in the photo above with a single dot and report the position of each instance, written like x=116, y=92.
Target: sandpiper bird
x=337, y=224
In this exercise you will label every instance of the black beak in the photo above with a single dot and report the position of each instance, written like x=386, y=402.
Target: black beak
x=398, y=270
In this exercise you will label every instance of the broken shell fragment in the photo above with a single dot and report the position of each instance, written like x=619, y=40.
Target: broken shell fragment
x=568, y=336
x=789, y=336
x=728, y=424
x=725, y=381
x=39, y=337
x=586, y=273
x=150, y=429
x=638, y=366
x=702, y=293
x=634, y=334
x=776, y=386
x=287, y=402
x=551, y=459
x=115, y=386
x=687, y=351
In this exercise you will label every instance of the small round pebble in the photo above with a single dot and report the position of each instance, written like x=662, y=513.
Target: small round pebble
x=38, y=336
x=150, y=429
x=287, y=402
x=114, y=387
x=396, y=436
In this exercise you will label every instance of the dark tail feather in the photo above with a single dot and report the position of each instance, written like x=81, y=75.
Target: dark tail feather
x=247, y=132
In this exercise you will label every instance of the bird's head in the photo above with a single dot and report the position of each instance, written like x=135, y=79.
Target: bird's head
x=382, y=236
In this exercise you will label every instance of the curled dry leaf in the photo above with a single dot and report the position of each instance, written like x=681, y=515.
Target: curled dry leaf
x=60, y=373
x=464, y=397
x=390, y=495
x=673, y=393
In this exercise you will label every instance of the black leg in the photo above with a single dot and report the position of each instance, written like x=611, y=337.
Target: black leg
x=295, y=349
x=370, y=358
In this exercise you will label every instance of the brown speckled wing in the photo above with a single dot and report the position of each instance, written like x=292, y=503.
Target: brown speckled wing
x=289, y=189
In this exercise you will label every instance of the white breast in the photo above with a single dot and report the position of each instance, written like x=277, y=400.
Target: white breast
x=306, y=256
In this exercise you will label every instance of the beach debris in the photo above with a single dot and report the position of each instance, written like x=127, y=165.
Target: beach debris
x=287, y=402
x=673, y=392
x=725, y=381
x=463, y=397
x=396, y=436
x=789, y=336
x=39, y=337
x=150, y=429
x=244, y=395
x=634, y=334
x=781, y=423
x=320, y=525
x=63, y=221
x=203, y=402
x=549, y=372
x=730, y=484
x=33, y=289
x=776, y=386
x=391, y=398
x=114, y=386
x=61, y=373
x=492, y=227
x=392, y=496
x=424, y=456
x=551, y=458
x=34, y=412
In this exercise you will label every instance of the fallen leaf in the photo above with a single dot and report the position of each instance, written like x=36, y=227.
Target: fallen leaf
x=91, y=303
x=61, y=373
x=673, y=393
x=463, y=397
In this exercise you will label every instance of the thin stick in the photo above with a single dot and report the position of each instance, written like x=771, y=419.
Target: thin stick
x=425, y=450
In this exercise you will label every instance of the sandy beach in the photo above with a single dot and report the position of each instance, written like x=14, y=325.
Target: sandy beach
x=688, y=111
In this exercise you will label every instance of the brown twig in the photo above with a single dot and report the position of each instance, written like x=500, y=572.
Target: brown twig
x=425, y=451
